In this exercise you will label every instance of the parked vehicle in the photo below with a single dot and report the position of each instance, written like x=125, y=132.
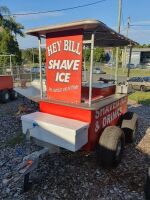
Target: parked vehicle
x=37, y=69
x=97, y=70
x=6, y=89
x=131, y=66
x=140, y=83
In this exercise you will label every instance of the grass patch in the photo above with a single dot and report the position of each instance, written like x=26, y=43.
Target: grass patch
x=141, y=97
x=123, y=72
x=18, y=139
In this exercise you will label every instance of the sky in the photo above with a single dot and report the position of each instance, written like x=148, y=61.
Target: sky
x=106, y=11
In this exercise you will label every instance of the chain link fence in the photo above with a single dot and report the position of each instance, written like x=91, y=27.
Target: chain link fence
x=21, y=73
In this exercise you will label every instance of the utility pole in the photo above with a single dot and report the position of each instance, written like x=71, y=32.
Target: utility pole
x=117, y=49
x=33, y=56
x=128, y=25
x=125, y=49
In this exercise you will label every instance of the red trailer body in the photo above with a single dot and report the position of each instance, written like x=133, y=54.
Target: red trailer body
x=6, y=83
x=6, y=89
x=98, y=107
x=99, y=116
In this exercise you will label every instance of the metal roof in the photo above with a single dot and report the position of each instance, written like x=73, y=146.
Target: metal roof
x=104, y=36
x=140, y=50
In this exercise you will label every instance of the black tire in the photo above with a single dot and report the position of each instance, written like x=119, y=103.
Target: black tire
x=147, y=186
x=110, y=148
x=129, y=133
x=143, y=88
x=13, y=95
x=4, y=96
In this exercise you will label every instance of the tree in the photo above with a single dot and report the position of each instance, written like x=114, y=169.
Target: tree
x=8, y=23
x=9, y=45
x=9, y=29
x=28, y=55
x=99, y=54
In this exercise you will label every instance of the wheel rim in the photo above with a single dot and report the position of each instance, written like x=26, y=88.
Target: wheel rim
x=16, y=95
x=118, y=150
x=6, y=96
x=143, y=88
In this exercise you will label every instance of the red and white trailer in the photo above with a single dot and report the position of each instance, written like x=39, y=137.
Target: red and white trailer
x=76, y=115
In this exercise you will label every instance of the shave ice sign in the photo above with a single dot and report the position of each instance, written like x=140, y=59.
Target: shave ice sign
x=64, y=66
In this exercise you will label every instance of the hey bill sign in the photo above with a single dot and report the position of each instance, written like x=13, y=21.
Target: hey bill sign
x=64, y=65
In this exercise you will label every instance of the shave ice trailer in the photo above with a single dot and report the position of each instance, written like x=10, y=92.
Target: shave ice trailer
x=76, y=114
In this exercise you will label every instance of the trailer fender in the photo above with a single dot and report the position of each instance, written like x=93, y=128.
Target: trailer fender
x=4, y=96
x=13, y=94
x=128, y=123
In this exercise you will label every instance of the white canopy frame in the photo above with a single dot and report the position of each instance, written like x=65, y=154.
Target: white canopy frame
x=95, y=33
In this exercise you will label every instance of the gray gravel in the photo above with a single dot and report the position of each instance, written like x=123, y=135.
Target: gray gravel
x=72, y=175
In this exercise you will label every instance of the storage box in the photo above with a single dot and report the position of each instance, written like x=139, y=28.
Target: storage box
x=63, y=132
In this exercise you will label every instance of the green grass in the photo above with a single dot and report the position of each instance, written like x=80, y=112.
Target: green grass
x=141, y=97
x=123, y=72
x=18, y=139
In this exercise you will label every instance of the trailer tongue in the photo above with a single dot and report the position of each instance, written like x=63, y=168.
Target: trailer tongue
x=76, y=115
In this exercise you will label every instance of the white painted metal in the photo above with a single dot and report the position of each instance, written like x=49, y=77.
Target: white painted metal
x=33, y=91
x=87, y=41
x=40, y=65
x=91, y=69
x=63, y=132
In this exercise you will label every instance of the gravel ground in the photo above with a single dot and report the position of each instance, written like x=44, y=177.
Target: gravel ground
x=71, y=175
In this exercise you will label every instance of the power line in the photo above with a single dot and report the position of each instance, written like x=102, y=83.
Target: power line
x=140, y=25
x=57, y=10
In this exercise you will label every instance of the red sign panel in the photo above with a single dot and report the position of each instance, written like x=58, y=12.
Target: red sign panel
x=64, y=65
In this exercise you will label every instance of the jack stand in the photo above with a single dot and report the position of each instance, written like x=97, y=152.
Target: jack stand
x=26, y=184
x=30, y=162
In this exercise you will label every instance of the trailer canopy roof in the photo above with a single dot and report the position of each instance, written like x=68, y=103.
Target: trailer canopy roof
x=104, y=36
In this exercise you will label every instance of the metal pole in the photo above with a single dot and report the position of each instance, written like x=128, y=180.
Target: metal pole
x=40, y=65
x=11, y=65
x=117, y=49
x=32, y=63
x=125, y=49
x=130, y=53
x=84, y=63
x=91, y=69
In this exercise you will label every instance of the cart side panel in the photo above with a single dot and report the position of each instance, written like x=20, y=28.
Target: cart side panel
x=66, y=111
x=103, y=117
x=97, y=92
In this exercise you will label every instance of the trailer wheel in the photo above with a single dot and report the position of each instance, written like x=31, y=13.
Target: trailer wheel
x=110, y=147
x=143, y=88
x=13, y=95
x=147, y=186
x=4, y=96
x=129, y=123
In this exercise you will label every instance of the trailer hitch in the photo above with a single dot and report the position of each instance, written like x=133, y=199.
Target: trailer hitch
x=30, y=162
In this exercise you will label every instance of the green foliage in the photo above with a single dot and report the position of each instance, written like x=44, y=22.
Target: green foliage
x=9, y=45
x=32, y=55
x=9, y=28
x=86, y=54
x=142, y=46
x=99, y=55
